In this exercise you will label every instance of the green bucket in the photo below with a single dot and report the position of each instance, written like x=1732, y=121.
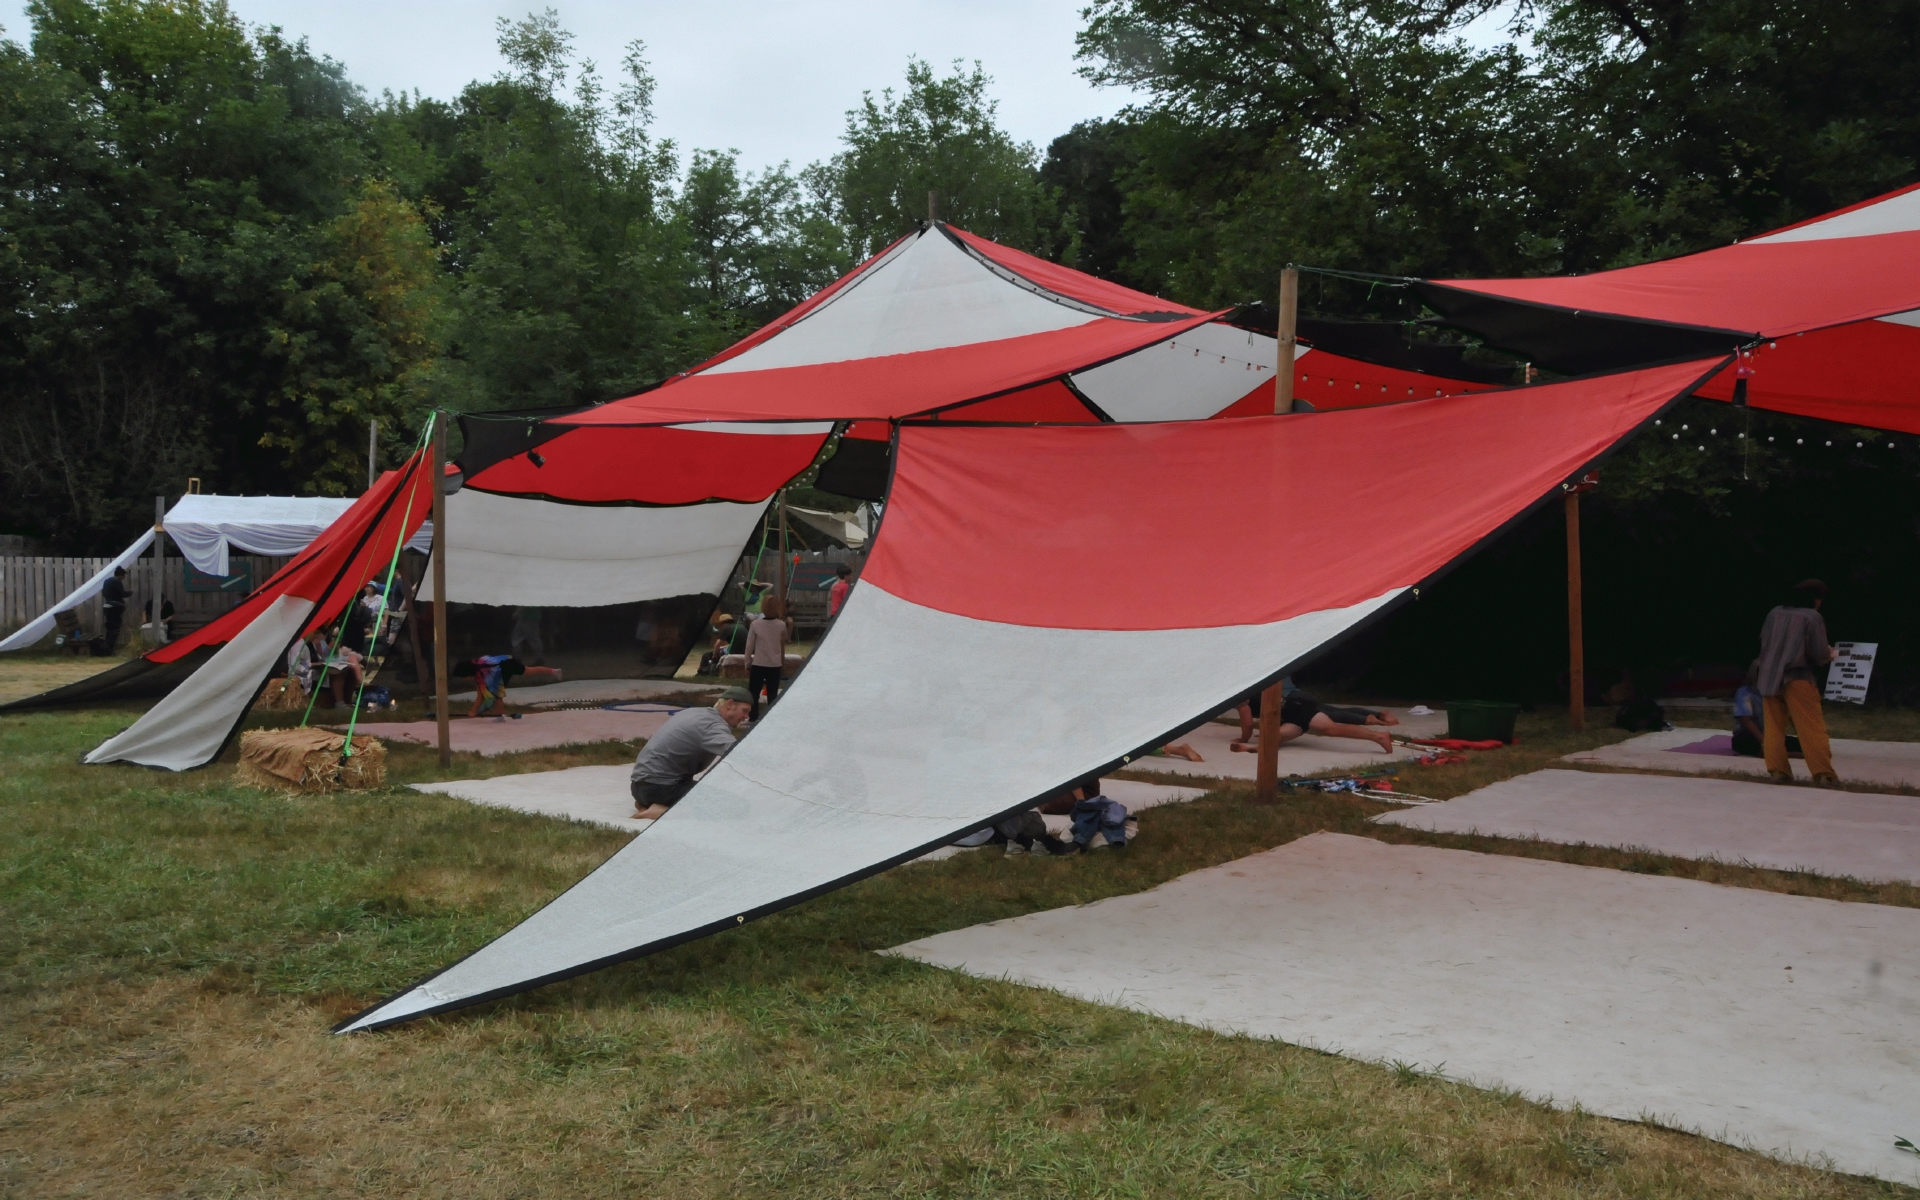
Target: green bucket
x=1481, y=720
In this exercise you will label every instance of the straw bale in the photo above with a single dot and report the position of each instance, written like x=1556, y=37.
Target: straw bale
x=282, y=695
x=308, y=760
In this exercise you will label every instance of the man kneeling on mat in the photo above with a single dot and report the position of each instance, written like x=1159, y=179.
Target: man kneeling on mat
x=1301, y=714
x=692, y=740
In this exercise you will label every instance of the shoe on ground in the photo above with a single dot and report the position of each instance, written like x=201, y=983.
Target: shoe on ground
x=1826, y=779
x=1132, y=829
x=1780, y=776
x=1015, y=850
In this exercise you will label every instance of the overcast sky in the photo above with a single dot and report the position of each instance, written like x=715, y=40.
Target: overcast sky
x=771, y=79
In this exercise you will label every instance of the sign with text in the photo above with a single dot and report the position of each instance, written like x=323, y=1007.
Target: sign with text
x=1852, y=668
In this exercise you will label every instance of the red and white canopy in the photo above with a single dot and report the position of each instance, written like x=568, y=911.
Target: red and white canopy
x=226, y=662
x=945, y=323
x=1831, y=308
x=1000, y=571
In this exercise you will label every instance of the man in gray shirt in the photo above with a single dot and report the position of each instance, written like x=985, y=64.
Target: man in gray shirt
x=1793, y=651
x=691, y=741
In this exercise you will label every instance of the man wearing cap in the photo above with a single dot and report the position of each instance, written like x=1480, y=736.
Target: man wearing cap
x=692, y=740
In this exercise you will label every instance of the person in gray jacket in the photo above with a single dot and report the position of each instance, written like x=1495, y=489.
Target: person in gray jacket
x=692, y=740
x=1793, y=651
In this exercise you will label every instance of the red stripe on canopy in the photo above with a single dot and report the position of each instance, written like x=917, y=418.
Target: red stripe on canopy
x=887, y=387
x=1764, y=289
x=653, y=464
x=330, y=571
x=1291, y=496
x=1858, y=374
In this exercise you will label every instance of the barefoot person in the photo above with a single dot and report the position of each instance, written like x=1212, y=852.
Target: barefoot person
x=692, y=740
x=1301, y=714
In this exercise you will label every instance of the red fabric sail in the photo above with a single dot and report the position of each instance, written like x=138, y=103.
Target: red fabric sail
x=1838, y=298
x=1462, y=466
x=653, y=464
x=331, y=570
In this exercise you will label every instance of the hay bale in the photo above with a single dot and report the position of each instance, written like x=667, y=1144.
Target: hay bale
x=308, y=760
x=282, y=695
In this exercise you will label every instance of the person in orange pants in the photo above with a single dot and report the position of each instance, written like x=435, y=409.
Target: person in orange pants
x=1793, y=646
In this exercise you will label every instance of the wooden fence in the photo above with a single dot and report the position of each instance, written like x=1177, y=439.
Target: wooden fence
x=30, y=585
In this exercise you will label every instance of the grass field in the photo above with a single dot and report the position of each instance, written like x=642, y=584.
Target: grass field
x=176, y=947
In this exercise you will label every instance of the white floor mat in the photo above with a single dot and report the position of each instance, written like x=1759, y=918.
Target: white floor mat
x=1893, y=764
x=1780, y=1022
x=1875, y=838
x=596, y=794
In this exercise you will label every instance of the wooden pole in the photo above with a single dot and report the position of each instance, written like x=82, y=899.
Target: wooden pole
x=933, y=206
x=780, y=571
x=440, y=680
x=1576, y=641
x=373, y=452
x=1267, y=774
x=1283, y=353
x=159, y=569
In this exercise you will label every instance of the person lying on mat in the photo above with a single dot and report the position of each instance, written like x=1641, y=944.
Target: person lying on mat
x=692, y=740
x=490, y=673
x=1250, y=709
x=1301, y=714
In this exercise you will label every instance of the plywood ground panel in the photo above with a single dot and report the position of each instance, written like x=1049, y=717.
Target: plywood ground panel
x=1309, y=755
x=596, y=691
x=1892, y=764
x=533, y=731
x=1875, y=838
x=1783, y=1023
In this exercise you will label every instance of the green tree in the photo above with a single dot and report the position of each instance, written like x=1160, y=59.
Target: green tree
x=761, y=243
x=939, y=135
x=172, y=261
x=570, y=283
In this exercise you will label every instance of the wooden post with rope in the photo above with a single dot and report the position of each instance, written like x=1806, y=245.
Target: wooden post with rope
x=933, y=207
x=1576, y=647
x=440, y=679
x=1267, y=777
x=159, y=571
x=373, y=451
x=1576, y=636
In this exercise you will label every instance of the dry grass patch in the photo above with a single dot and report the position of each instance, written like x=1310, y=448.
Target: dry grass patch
x=176, y=949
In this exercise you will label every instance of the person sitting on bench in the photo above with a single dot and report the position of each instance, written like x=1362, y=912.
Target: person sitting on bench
x=305, y=662
x=692, y=740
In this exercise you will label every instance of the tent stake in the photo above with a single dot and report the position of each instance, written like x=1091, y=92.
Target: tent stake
x=1267, y=776
x=440, y=588
x=1576, y=642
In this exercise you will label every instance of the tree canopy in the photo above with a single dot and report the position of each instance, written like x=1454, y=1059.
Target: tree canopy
x=222, y=259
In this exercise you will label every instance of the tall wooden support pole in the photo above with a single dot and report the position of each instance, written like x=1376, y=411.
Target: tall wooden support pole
x=1267, y=774
x=1576, y=641
x=1283, y=354
x=159, y=570
x=440, y=680
x=373, y=452
x=933, y=207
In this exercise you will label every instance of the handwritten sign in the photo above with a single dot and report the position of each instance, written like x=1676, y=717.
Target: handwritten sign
x=1852, y=668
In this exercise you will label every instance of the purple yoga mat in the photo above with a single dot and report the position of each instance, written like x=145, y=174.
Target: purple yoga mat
x=1719, y=743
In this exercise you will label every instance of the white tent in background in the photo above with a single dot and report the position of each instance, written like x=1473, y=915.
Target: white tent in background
x=207, y=529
